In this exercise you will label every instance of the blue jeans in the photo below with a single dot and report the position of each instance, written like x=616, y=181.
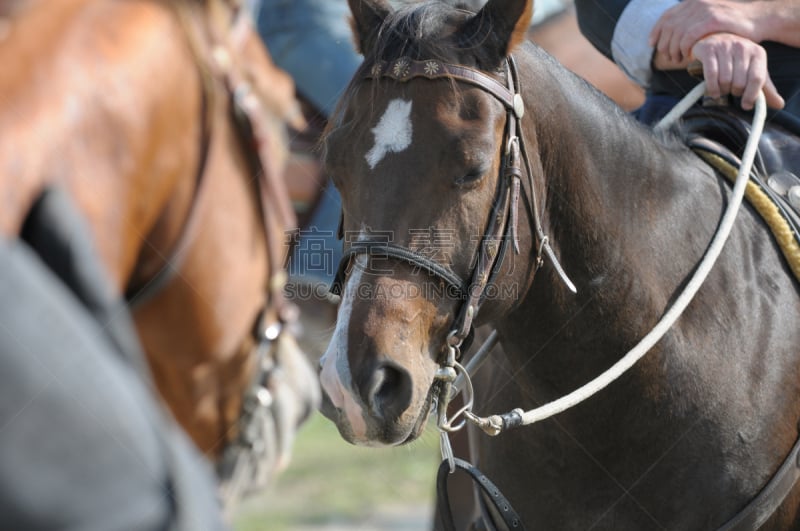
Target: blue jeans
x=312, y=41
x=655, y=107
x=317, y=250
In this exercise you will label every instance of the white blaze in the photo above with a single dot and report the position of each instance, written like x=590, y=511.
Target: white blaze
x=335, y=376
x=393, y=132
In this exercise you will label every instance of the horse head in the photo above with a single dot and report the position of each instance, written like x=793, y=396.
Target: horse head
x=417, y=150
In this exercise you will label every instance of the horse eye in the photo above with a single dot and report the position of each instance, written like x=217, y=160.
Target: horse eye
x=471, y=177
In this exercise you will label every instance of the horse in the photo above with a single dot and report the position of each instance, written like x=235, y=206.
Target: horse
x=164, y=123
x=471, y=164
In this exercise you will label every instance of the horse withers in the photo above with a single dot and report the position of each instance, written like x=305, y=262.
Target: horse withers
x=446, y=227
x=149, y=115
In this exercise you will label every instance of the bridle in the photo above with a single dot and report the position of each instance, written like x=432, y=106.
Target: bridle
x=248, y=460
x=501, y=228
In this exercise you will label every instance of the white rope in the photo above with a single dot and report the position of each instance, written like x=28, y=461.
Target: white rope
x=589, y=389
x=681, y=107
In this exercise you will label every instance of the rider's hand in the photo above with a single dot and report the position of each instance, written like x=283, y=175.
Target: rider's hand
x=736, y=65
x=683, y=25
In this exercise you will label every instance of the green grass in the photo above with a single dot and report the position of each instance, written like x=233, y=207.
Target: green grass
x=332, y=482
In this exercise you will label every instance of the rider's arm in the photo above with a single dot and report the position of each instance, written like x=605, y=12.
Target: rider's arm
x=731, y=65
x=683, y=25
x=781, y=22
x=620, y=30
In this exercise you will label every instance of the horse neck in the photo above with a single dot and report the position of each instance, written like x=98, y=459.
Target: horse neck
x=102, y=131
x=614, y=207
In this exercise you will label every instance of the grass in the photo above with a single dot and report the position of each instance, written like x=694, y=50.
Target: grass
x=332, y=483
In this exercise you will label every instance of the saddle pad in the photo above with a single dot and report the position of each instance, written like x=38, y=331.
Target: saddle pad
x=718, y=134
x=762, y=198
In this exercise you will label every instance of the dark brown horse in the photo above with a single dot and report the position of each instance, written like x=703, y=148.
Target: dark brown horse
x=558, y=34
x=691, y=433
x=130, y=107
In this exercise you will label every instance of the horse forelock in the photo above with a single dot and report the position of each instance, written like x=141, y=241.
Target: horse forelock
x=420, y=31
x=434, y=30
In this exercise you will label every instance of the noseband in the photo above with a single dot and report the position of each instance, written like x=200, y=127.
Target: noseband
x=502, y=225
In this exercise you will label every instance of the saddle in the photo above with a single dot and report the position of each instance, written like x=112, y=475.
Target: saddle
x=718, y=134
x=724, y=130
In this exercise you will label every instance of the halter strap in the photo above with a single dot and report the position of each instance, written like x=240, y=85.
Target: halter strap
x=385, y=249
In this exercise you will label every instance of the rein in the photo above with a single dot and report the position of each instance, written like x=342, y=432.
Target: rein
x=768, y=500
x=494, y=424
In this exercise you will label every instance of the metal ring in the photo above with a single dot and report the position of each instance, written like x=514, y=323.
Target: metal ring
x=513, y=140
x=446, y=424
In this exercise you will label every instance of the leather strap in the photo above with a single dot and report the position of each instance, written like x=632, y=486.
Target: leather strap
x=488, y=253
x=141, y=292
x=404, y=69
x=501, y=504
x=763, y=506
x=386, y=249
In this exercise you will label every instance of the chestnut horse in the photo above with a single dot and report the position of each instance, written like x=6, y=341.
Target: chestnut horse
x=444, y=230
x=137, y=110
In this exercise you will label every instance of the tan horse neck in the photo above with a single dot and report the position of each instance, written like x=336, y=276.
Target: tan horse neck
x=104, y=98
x=75, y=112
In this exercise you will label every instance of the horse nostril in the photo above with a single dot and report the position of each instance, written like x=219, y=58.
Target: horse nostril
x=389, y=391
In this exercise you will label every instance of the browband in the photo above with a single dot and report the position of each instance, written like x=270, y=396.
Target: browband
x=404, y=69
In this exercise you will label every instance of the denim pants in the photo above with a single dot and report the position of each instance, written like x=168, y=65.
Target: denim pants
x=313, y=42
x=655, y=107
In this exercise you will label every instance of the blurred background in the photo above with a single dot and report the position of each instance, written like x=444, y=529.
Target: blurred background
x=332, y=485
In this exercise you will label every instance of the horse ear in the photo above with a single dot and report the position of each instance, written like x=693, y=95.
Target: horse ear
x=500, y=26
x=368, y=15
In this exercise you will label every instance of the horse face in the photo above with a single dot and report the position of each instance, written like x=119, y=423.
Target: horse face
x=417, y=165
